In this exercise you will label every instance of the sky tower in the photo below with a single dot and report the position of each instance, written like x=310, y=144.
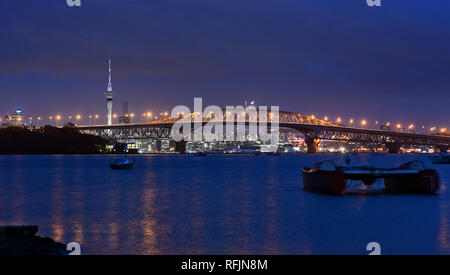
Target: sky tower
x=109, y=96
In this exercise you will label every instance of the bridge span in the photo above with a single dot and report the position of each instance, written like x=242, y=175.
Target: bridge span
x=313, y=129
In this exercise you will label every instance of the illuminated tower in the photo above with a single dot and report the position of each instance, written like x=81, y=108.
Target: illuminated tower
x=109, y=96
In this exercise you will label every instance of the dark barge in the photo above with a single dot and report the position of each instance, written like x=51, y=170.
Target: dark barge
x=411, y=177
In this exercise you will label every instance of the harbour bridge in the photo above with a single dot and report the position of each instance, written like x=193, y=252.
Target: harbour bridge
x=312, y=128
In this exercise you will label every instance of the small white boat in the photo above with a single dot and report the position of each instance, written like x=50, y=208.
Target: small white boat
x=441, y=159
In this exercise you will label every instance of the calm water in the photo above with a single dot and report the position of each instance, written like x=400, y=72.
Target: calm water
x=215, y=205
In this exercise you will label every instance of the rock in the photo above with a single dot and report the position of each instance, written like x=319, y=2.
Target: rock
x=22, y=240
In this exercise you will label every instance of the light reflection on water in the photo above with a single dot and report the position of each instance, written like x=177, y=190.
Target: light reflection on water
x=215, y=205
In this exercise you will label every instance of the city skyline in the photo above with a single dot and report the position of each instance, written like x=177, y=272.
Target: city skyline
x=165, y=55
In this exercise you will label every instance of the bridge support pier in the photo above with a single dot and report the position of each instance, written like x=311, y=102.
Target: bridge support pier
x=313, y=145
x=393, y=147
x=180, y=147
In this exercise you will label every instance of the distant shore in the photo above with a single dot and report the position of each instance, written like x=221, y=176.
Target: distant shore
x=49, y=140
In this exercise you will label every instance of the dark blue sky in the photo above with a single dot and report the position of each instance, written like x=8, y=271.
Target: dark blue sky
x=323, y=57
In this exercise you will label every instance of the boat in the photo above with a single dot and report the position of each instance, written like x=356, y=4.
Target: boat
x=124, y=163
x=410, y=177
x=441, y=159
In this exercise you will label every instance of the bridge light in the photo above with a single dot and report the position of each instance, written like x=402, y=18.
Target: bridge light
x=39, y=118
x=96, y=116
x=443, y=130
x=325, y=118
x=352, y=120
x=399, y=126
x=78, y=117
x=432, y=129
x=338, y=120
x=50, y=117
x=313, y=116
x=131, y=115
x=411, y=126
x=363, y=122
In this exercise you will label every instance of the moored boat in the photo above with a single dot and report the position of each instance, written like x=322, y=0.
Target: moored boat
x=124, y=163
x=441, y=159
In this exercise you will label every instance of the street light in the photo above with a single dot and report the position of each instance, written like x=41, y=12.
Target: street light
x=364, y=123
x=96, y=117
x=58, y=118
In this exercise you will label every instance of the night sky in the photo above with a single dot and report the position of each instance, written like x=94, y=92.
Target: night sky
x=322, y=57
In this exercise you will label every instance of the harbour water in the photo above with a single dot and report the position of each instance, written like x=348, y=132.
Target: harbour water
x=217, y=204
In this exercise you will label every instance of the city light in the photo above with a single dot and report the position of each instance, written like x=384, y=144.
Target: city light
x=325, y=118
x=363, y=122
x=352, y=120
x=78, y=117
x=338, y=120
x=410, y=127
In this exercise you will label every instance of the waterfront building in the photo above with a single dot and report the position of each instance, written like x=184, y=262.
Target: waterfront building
x=17, y=118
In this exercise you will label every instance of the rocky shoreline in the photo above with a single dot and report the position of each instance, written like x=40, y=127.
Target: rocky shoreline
x=22, y=240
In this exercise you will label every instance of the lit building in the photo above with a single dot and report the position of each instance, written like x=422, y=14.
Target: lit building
x=15, y=119
x=125, y=118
